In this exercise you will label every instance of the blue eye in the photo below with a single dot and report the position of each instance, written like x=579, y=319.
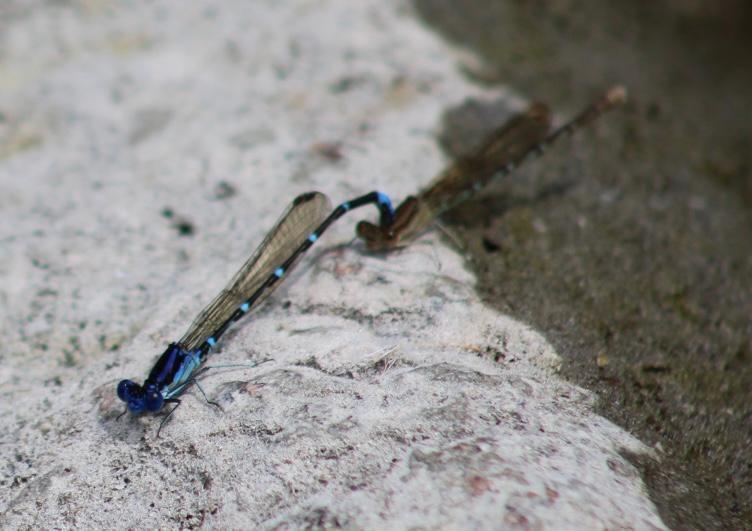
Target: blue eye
x=132, y=394
x=125, y=389
x=153, y=399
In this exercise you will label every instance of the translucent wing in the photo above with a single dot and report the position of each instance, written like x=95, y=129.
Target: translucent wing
x=466, y=176
x=292, y=229
x=471, y=173
x=523, y=137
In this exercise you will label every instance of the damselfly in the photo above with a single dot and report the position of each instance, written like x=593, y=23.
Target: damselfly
x=525, y=136
x=295, y=232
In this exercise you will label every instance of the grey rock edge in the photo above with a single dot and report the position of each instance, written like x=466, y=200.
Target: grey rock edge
x=395, y=399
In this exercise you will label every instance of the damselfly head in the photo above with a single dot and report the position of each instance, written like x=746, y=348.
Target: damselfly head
x=390, y=235
x=375, y=238
x=139, y=398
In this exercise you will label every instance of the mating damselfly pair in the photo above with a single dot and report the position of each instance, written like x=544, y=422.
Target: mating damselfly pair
x=523, y=137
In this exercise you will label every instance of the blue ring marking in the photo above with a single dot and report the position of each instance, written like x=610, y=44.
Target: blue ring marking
x=384, y=200
x=279, y=272
x=211, y=341
x=244, y=307
x=313, y=237
x=346, y=205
